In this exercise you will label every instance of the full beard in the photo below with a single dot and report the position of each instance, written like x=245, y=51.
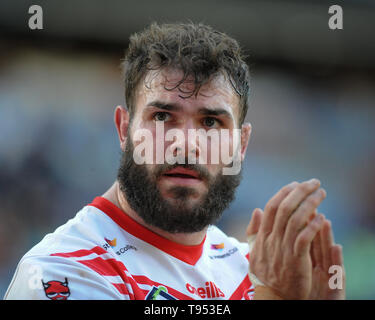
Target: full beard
x=140, y=189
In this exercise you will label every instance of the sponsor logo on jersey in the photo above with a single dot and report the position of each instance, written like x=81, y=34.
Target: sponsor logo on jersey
x=159, y=293
x=124, y=249
x=219, y=246
x=56, y=290
x=111, y=243
x=225, y=255
x=210, y=290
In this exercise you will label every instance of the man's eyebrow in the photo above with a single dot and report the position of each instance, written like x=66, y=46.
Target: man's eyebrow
x=164, y=106
x=215, y=112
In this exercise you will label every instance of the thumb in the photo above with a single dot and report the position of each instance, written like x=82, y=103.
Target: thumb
x=254, y=223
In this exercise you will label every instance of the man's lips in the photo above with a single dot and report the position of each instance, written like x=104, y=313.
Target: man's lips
x=180, y=172
x=182, y=176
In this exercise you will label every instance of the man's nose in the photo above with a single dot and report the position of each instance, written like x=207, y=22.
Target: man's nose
x=188, y=142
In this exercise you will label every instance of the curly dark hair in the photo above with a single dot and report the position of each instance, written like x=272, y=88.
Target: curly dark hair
x=196, y=49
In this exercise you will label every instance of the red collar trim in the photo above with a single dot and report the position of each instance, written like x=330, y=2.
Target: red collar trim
x=188, y=254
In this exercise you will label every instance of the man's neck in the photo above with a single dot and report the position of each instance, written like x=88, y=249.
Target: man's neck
x=116, y=196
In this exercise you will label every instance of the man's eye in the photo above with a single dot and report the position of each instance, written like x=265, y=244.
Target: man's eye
x=210, y=122
x=161, y=116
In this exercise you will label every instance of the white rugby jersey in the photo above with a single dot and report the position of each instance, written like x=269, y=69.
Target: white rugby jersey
x=102, y=253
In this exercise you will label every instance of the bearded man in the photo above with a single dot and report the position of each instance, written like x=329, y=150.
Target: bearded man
x=152, y=235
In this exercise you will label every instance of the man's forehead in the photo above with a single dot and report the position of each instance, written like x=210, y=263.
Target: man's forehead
x=165, y=85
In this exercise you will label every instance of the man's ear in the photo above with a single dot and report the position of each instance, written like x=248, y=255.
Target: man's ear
x=121, y=119
x=245, y=138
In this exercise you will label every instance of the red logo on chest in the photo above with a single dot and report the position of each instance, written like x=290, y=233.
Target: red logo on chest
x=56, y=290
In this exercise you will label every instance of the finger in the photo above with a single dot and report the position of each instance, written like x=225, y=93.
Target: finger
x=291, y=203
x=255, y=221
x=316, y=253
x=315, y=213
x=303, y=241
x=312, y=255
x=300, y=218
x=312, y=248
x=337, y=255
x=272, y=206
x=326, y=240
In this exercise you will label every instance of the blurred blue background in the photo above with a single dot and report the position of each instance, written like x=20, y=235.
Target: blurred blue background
x=312, y=111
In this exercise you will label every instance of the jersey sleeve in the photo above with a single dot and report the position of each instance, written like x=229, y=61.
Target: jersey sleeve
x=59, y=278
